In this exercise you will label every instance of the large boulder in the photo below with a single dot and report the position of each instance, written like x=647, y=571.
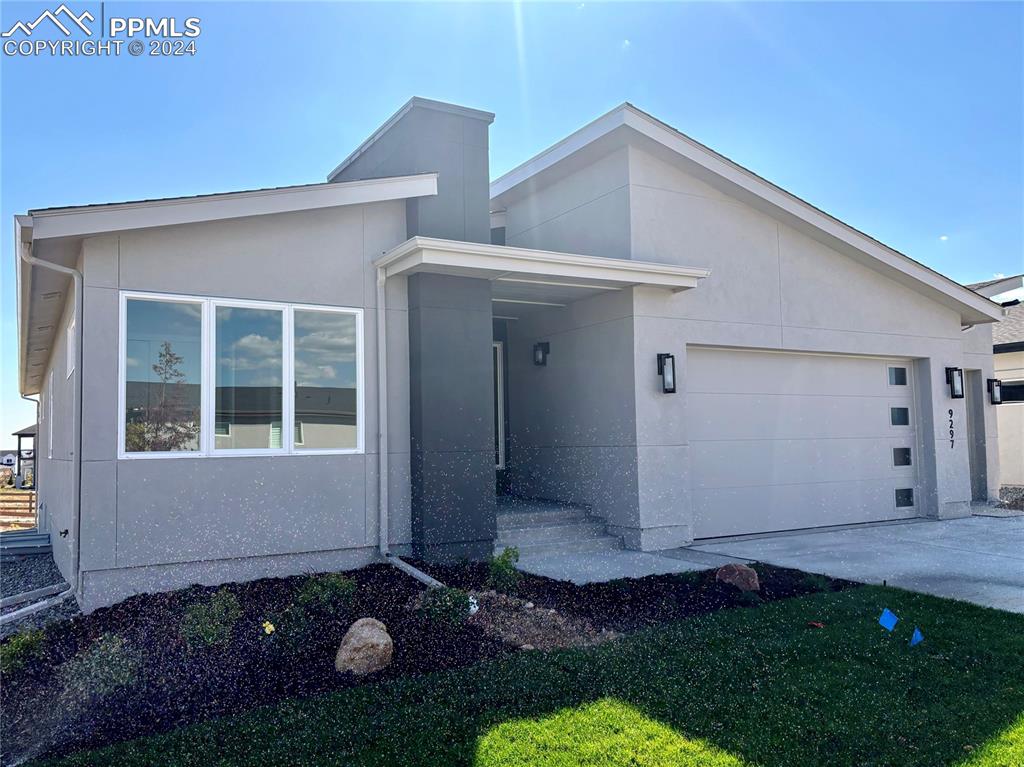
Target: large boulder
x=365, y=648
x=742, y=577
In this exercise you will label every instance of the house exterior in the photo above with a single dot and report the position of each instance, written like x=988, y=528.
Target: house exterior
x=291, y=379
x=1008, y=366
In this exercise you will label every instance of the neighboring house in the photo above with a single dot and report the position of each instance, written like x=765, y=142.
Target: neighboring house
x=1008, y=350
x=627, y=322
x=8, y=458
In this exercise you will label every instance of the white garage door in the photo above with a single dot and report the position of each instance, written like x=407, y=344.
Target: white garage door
x=782, y=441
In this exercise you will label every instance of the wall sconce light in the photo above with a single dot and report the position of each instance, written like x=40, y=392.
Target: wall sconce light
x=667, y=371
x=955, y=379
x=540, y=353
x=995, y=391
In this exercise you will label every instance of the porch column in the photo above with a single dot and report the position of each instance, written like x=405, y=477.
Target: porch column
x=451, y=416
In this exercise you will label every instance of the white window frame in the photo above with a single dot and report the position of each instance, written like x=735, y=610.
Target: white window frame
x=208, y=378
x=70, y=351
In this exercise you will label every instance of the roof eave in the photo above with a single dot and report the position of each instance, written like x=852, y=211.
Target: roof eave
x=493, y=261
x=90, y=220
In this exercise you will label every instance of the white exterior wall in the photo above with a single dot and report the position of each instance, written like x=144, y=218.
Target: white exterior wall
x=163, y=523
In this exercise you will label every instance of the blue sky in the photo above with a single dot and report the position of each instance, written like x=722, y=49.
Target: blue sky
x=902, y=119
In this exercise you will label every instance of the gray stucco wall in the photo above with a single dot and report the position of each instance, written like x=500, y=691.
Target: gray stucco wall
x=170, y=522
x=54, y=458
x=451, y=407
x=587, y=212
x=572, y=422
x=433, y=137
x=771, y=287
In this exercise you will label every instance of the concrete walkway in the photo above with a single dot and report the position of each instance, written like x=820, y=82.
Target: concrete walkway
x=978, y=559
x=601, y=566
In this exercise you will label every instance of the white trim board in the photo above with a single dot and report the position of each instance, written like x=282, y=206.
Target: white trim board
x=471, y=259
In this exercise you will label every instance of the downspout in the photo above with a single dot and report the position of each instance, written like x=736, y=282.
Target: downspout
x=75, y=586
x=382, y=439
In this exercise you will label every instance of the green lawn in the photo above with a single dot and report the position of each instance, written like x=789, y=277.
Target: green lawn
x=741, y=687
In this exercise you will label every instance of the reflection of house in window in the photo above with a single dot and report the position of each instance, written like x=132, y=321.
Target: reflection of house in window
x=325, y=418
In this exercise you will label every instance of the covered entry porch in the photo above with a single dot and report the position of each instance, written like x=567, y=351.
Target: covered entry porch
x=522, y=375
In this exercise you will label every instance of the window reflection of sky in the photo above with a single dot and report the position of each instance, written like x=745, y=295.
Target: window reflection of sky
x=149, y=325
x=248, y=347
x=325, y=349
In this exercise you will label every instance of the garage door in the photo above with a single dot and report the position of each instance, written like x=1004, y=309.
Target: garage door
x=782, y=441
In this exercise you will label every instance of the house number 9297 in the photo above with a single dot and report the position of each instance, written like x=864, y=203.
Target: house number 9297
x=951, y=434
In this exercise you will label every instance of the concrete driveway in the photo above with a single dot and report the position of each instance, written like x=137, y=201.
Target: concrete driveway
x=977, y=559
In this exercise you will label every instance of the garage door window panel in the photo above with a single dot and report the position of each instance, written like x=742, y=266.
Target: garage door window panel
x=899, y=416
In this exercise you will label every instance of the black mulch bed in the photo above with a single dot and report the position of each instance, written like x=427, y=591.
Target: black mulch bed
x=173, y=685
x=631, y=604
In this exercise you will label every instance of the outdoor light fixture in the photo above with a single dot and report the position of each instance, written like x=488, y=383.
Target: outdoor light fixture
x=667, y=371
x=955, y=379
x=995, y=391
x=540, y=353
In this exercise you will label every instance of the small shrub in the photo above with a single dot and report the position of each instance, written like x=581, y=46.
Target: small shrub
x=750, y=598
x=814, y=582
x=104, y=667
x=210, y=623
x=19, y=649
x=332, y=591
x=446, y=605
x=502, y=574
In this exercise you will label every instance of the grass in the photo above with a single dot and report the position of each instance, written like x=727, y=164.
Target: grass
x=739, y=687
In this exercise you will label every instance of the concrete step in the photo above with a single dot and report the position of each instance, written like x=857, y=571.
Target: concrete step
x=18, y=542
x=549, y=533
x=518, y=519
x=587, y=545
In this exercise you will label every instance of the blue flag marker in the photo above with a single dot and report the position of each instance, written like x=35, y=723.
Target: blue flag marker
x=917, y=638
x=888, y=619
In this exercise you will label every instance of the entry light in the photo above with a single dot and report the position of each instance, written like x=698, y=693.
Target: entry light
x=540, y=353
x=995, y=391
x=955, y=379
x=667, y=371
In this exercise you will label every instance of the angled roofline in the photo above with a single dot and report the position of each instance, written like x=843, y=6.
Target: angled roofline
x=995, y=287
x=626, y=115
x=111, y=217
x=408, y=106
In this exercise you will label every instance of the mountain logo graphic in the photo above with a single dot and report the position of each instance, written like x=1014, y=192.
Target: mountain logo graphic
x=54, y=16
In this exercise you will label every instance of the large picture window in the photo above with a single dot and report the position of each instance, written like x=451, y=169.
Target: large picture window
x=223, y=377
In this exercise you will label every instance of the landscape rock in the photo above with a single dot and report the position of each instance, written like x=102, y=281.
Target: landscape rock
x=365, y=648
x=741, y=576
